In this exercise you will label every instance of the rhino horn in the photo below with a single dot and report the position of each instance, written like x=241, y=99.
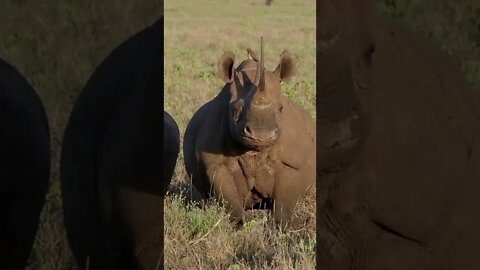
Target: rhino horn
x=259, y=74
x=262, y=67
x=260, y=96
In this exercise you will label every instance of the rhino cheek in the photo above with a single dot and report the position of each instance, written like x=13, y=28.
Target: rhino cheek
x=328, y=25
x=236, y=128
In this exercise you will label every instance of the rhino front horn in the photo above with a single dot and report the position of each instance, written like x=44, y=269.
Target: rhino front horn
x=260, y=74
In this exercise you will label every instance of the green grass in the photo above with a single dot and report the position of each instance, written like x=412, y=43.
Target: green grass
x=201, y=237
x=197, y=33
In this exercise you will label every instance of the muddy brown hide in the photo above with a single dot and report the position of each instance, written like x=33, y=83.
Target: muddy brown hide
x=398, y=147
x=171, y=148
x=111, y=164
x=24, y=166
x=274, y=169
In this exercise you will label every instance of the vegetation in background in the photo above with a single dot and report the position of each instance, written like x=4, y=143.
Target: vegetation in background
x=196, y=35
x=452, y=25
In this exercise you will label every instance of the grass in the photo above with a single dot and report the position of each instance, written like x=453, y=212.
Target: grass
x=203, y=238
x=56, y=45
x=197, y=33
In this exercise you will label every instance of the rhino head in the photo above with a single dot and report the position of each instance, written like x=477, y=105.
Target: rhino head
x=255, y=103
x=346, y=50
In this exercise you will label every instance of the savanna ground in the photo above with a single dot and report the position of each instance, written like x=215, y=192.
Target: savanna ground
x=56, y=45
x=197, y=33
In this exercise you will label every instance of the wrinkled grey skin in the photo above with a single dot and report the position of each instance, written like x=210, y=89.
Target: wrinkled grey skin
x=398, y=148
x=24, y=166
x=111, y=164
x=250, y=145
x=171, y=148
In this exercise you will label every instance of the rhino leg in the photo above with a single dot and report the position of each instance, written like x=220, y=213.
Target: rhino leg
x=224, y=188
x=288, y=189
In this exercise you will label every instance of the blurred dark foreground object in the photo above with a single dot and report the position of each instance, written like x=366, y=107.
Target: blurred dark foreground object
x=24, y=166
x=111, y=164
x=398, y=147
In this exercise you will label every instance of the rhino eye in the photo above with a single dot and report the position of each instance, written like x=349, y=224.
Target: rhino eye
x=237, y=109
x=236, y=114
x=281, y=108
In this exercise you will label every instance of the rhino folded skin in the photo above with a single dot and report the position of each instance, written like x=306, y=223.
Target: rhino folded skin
x=403, y=195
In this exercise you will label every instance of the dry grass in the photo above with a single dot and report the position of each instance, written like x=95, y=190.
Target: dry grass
x=197, y=33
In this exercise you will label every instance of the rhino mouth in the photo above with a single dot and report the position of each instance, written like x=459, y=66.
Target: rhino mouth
x=257, y=144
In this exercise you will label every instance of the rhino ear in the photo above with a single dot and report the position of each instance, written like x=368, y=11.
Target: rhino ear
x=287, y=67
x=225, y=66
x=252, y=55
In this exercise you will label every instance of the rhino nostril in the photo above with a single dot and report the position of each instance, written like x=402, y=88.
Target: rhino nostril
x=247, y=131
